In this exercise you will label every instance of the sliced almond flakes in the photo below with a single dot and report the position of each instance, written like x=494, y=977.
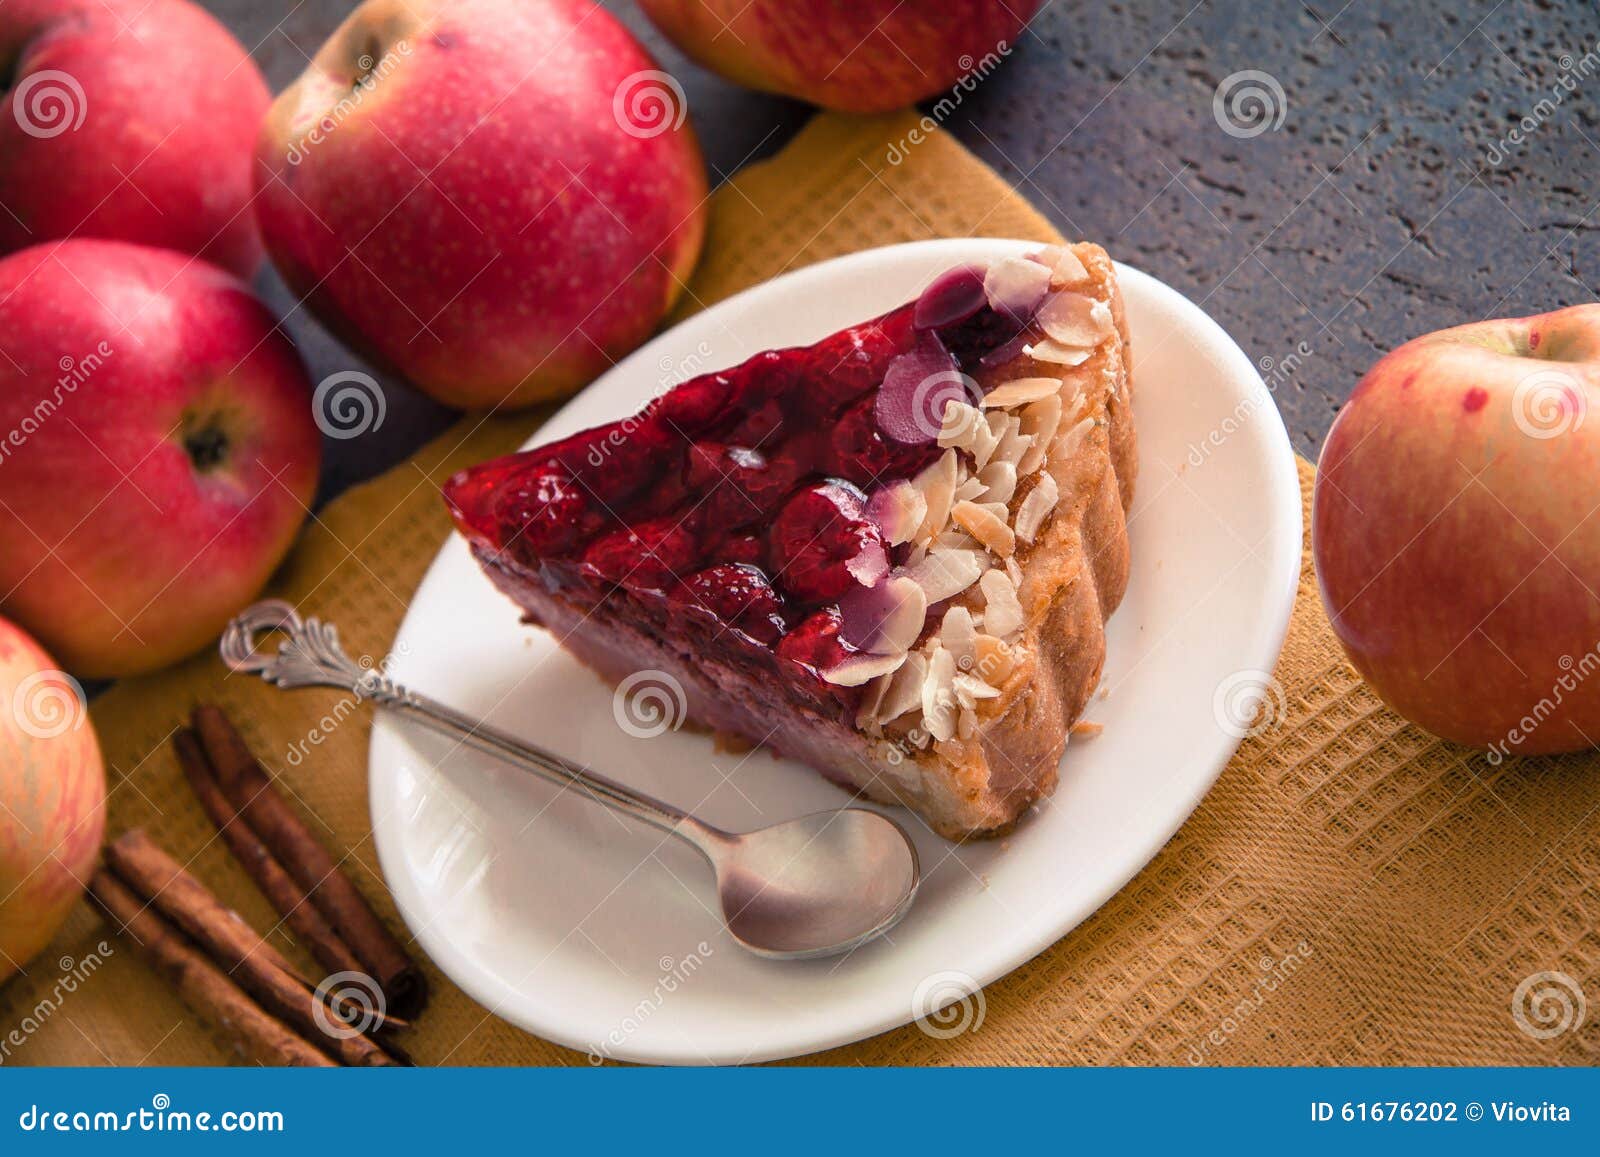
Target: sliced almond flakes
x=970, y=489
x=983, y=444
x=954, y=538
x=970, y=689
x=1068, y=269
x=1039, y=423
x=1075, y=320
x=1021, y=391
x=871, y=698
x=860, y=669
x=985, y=526
x=1069, y=440
x=1049, y=350
x=904, y=615
x=996, y=659
x=1002, y=613
x=1041, y=500
x=938, y=485
x=1014, y=444
x=899, y=510
x=999, y=481
x=960, y=424
x=903, y=689
x=1015, y=283
x=938, y=695
x=946, y=572
x=959, y=636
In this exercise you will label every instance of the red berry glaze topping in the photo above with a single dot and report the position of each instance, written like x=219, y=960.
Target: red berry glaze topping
x=737, y=499
x=822, y=543
x=541, y=512
x=645, y=557
x=950, y=298
x=735, y=595
x=816, y=643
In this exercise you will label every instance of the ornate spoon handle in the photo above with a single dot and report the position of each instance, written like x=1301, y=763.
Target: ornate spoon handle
x=310, y=656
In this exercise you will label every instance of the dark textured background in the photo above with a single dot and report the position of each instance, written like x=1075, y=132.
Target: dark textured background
x=1373, y=213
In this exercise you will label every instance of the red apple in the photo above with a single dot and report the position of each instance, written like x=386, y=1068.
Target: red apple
x=157, y=451
x=497, y=198
x=52, y=797
x=128, y=119
x=1456, y=537
x=866, y=56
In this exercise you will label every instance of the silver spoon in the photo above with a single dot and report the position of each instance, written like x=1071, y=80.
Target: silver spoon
x=814, y=886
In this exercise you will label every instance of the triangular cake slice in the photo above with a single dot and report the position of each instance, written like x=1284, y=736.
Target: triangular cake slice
x=890, y=554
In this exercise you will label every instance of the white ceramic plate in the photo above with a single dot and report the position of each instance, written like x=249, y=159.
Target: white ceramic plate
x=595, y=933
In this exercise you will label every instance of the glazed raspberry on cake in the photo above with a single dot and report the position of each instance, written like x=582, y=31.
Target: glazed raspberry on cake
x=890, y=555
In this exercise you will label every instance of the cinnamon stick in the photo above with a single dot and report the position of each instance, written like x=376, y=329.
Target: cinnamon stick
x=254, y=964
x=199, y=983
x=259, y=864
x=250, y=790
x=146, y=867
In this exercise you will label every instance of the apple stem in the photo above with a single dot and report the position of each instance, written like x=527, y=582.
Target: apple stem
x=207, y=447
x=371, y=56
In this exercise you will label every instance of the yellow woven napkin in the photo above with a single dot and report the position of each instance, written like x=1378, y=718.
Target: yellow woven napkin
x=1351, y=891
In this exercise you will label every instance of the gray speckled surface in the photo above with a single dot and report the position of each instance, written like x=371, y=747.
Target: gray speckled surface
x=1375, y=211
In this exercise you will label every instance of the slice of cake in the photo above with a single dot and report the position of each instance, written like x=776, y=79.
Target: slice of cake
x=890, y=554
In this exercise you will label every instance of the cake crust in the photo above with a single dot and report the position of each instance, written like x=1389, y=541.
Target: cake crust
x=1074, y=577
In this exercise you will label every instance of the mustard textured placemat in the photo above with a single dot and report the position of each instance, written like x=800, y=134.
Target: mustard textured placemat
x=1351, y=891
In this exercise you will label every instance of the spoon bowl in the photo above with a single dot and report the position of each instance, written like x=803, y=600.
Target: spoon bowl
x=818, y=885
